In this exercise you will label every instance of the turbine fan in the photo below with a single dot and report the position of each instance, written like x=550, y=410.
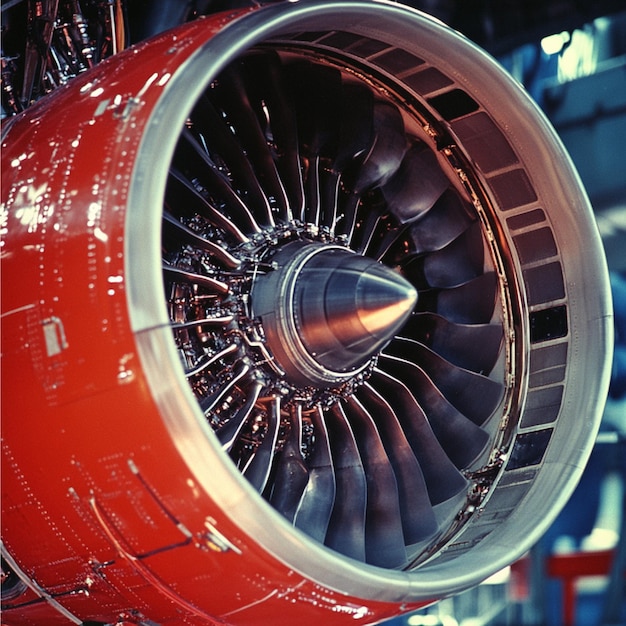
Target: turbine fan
x=279, y=253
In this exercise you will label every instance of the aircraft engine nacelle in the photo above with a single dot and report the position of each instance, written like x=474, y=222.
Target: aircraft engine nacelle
x=305, y=319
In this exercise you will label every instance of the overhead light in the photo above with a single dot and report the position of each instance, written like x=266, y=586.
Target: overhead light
x=553, y=44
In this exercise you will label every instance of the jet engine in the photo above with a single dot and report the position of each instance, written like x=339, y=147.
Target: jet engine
x=305, y=319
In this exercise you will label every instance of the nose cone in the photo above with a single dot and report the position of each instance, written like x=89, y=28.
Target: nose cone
x=383, y=301
x=347, y=307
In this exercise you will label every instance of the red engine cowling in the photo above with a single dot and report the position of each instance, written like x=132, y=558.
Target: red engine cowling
x=304, y=319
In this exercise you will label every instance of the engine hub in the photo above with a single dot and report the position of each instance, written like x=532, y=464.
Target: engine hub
x=327, y=311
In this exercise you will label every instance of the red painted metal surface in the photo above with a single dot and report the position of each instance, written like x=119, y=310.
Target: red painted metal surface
x=98, y=506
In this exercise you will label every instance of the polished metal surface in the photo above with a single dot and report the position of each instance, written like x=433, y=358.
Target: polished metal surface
x=327, y=311
x=347, y=307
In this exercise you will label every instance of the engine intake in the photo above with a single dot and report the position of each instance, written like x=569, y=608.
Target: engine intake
x=298, y=302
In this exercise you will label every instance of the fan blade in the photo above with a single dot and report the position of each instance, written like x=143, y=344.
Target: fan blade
x=384, y=537
x=457, y=263
x=388, y=235
x=385, y=155
x=317, y=92
x=386, y=152
x=418, y=519
x=269, y=79
x=356, y=128
x=241, y=93
x=366, y=227
x=461, y=439
x=182, y=196
x=438, y=227
x=474, y=395
x=313, y=202
x=318, y=498
x=175, y=228
x=346, y=529
x=377, y=230
x=199, y=165
x=272, y=143
x=223, y=146
x=411, y=192
x=417, y=184
x=329, y=181
x=470, y=303
x=291, y=476
x=472, y=347
x=443, y=479
x=229, y=432
x=258, y=469
x=356, y=133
